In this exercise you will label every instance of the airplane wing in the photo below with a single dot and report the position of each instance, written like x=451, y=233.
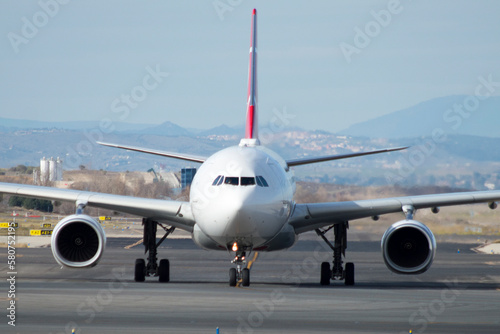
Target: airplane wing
x=174, y=213
x=181, y=156
x=305, y=161
x=307, y=217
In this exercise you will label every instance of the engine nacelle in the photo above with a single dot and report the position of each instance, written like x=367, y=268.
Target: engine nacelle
x=78, y=241
x=408, y=247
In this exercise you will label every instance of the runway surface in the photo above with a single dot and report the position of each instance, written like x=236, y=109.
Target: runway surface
x=459, y=294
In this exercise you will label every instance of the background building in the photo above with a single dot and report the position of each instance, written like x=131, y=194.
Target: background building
x=187, y=175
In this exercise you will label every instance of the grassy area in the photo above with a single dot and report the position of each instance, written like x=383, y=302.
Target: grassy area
x=26, y=224
x=18, y=245
x=475, y=219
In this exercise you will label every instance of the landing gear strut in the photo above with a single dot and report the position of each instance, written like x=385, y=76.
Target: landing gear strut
x=149, y=240
x=239, y=273
x=337, y=272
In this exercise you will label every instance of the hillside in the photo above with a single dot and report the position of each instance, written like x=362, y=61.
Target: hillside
x=453, y=115
x=465, y=155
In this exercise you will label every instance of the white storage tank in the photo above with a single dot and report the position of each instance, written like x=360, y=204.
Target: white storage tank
x=44, y=171
x=52, y=169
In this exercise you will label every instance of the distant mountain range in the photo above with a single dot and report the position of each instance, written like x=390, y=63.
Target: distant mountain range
x=10, y=124
x=471, y=145
x=458, y=114
x=455, y=115
x=164, y=129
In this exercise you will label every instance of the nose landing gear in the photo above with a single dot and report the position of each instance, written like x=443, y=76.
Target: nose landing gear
x=239, y=273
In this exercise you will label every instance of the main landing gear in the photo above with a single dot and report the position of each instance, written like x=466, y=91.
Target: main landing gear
x=149, y=240
x=337, y=272
x=239, y=273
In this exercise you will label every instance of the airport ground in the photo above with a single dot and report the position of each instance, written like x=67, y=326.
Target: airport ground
x=459, y=294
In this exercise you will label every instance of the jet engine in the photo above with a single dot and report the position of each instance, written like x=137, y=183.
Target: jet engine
x=408, y=247
x=78, y=241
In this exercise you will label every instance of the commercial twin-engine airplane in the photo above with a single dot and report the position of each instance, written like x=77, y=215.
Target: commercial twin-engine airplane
x=241, y=200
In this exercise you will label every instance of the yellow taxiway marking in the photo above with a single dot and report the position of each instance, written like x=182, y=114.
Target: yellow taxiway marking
x=249, y=265
x=492, y=263
x=132, y=245
x=255, y=256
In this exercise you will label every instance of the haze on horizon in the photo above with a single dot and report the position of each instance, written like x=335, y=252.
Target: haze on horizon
x=329, y=64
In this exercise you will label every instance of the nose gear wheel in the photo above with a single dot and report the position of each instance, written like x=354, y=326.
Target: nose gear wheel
x=239, y=273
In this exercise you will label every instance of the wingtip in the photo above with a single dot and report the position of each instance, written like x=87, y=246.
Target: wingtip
x=398, y=148
x=254, y=11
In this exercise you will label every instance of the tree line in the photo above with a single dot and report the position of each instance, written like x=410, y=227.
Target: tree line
x=31, y=203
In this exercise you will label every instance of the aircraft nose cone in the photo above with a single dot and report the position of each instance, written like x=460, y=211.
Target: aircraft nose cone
x=227, y=216
x=241, y=214
x=239, y=220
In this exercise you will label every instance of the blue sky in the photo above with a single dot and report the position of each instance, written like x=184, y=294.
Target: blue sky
x=83, y=58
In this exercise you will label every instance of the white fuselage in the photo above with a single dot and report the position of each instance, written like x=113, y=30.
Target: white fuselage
x=243, y=194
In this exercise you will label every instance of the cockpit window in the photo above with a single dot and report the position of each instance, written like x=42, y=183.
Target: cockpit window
x=247, y=181
x=217, y=180
x=261, y=181
x=243, y=181
x=234, y=181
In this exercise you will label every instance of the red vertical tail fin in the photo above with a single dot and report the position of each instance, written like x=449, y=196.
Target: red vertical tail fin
x=251, y=121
